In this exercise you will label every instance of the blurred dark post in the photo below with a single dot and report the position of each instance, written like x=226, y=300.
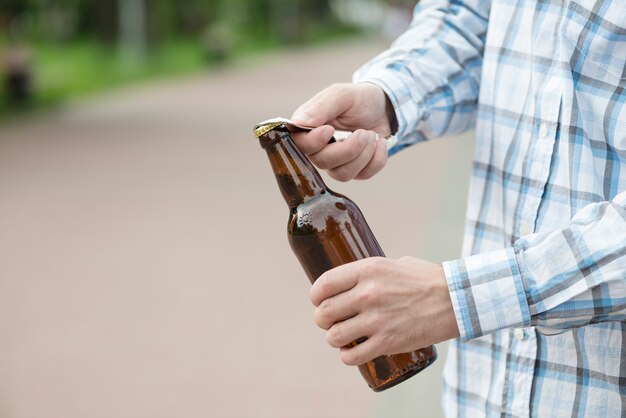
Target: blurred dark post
x=16, y=60
x=102, y=19
x=217, y=42
x=18, y=75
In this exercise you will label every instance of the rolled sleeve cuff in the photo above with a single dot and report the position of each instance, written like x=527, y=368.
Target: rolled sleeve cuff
x=487, y=292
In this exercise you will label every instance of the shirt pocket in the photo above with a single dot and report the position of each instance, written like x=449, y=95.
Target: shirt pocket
x=594, y=41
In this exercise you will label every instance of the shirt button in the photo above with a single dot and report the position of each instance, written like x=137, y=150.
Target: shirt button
x=543, y=131
x=519, y=334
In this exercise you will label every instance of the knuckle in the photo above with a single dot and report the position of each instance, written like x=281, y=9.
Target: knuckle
x=353, y=357
x=348, y=358
x=341, y=174
x=318, y=319
x=368, y=295
x=365, y=174
x=324, y=285
x=318, y=290
x=322, y=314
x=334, y=336
x=370, y=267
x=379, y=261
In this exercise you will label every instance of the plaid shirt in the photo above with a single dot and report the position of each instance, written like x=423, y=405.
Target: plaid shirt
x=540, y=296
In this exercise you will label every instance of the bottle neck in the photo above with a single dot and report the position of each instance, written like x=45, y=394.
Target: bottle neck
x=297, y=179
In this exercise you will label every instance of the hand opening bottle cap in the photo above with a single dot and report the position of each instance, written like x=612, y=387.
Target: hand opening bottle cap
x=264, y=127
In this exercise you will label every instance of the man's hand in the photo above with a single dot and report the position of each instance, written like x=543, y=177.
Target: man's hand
x=361, y=108
x=399, y=305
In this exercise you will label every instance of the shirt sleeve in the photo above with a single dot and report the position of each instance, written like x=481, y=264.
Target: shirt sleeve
x=555, y=281
x=431, y=73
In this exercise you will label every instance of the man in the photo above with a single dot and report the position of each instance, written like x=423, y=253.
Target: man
x=539, y=298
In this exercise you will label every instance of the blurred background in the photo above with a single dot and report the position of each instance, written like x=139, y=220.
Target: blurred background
x=144, y=265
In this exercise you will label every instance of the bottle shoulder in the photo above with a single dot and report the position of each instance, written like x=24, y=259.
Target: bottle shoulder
x=329, y=202
x=327, y=208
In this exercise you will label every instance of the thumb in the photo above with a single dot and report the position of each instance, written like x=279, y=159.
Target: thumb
x=326, y=106
x=305, y=115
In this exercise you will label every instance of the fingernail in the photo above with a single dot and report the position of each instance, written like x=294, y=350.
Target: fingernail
x=302, y=117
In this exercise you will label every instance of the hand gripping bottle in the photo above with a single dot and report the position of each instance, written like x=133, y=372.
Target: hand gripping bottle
x=325, y=230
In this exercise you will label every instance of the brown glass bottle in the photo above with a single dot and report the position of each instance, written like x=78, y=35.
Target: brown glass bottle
x=325, y=230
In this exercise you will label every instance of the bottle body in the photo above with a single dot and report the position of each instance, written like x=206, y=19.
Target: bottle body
x=326, y=230
x=329, y=231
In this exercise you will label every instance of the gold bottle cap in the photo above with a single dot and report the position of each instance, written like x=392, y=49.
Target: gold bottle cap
x=264, y=127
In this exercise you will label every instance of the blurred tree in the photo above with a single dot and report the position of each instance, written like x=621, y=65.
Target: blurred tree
x=16, y=55
x=51, y=49
x=101, y=21
x=143, y=23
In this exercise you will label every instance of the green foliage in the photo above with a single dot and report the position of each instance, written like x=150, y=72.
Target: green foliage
x=79, y=47
x=83, y=67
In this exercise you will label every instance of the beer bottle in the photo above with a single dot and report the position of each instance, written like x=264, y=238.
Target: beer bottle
x=325, y=230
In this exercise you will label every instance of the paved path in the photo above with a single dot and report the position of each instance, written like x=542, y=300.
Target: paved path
x=144, y=268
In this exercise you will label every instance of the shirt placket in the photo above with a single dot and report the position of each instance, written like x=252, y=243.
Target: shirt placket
x=548, y=103
x=523, y=348
x=520, y=372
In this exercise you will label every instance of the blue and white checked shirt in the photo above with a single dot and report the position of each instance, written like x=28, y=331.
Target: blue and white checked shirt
x=540, y=296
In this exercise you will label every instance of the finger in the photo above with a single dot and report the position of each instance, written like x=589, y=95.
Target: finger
x=360, y=353
x=377, y=162
x=333, y=282
x=340, y=153
x=351, y=169
x=334, y=309
x=303, y=116
x=325, y=106
x=313, y=141
x=345, y=333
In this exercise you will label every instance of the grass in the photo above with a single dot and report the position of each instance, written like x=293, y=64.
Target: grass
x=65, y=71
